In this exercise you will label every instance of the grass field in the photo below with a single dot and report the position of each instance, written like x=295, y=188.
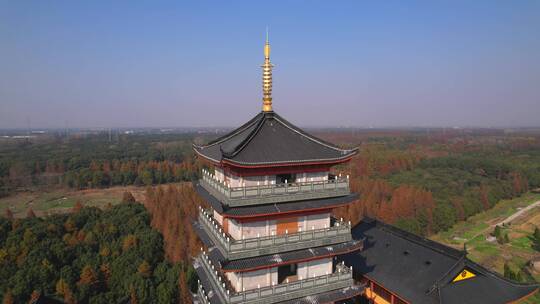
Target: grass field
x=51, y=201
x=474, y=232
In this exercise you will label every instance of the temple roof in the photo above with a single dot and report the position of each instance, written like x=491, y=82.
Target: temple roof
x=268, y=140
x=419, y=270
x=283, y=258
x=278, y=208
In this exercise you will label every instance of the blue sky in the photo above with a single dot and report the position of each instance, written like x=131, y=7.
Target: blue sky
x=338, y=63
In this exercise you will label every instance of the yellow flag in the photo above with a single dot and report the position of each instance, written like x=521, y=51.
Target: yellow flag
x=464, y=275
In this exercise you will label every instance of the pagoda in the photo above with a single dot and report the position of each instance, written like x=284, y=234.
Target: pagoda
x=269, y=234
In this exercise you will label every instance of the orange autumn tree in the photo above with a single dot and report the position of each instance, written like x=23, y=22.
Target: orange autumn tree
x=172, y=209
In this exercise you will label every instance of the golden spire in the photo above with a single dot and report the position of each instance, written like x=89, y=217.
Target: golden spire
x=267, y=77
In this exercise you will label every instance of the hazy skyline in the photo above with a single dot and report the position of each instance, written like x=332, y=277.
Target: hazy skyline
x=342, y=63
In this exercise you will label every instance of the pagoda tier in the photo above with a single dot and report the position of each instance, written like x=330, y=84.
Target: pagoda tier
x=268, y=141
x=268, y=199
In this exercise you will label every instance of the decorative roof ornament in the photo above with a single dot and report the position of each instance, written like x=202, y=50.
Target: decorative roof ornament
x=267, y=77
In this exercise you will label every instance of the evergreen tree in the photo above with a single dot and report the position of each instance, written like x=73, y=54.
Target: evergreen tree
x=508, y=272
x=535, y=238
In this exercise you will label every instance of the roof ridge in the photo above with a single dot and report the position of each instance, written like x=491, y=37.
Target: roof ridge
x=234, y=132
x=294, y=128
x=424, y=242
x=238, y=148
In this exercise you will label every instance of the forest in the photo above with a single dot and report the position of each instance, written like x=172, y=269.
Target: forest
x=96, y=161
x=425, y=185
x=424, y=182
x=89, y=256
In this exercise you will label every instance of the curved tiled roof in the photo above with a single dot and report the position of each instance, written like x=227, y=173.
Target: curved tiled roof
x=283, y=258
x=269, y=140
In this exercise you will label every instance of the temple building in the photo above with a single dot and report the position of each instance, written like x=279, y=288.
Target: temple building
x=399, y=267
x=269, y=235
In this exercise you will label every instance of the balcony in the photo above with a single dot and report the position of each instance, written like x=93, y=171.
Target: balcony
x=341, y=278
x=274, y=193
x=239, y=249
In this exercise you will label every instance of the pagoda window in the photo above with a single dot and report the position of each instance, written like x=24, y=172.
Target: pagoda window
x=285, y=178
x=287, y=273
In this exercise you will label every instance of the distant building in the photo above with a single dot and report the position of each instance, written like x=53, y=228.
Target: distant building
x=270, y=237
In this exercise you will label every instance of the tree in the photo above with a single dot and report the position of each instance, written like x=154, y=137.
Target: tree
x=129, y=241
x=88, y=276
x=34, y=296
x=506, y=238
x=105, y=271
x=535, y=238
x=497, y=232
x=508, y=272
x=30, y=213
x=185, y=296
x=8, y=214
x=133, y=295
x=78, y=206
x=144, y=269
x=69, y=225
x=61, y=287
x=127, y=197
x=8, y=298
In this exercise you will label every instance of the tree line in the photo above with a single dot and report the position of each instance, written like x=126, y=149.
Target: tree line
x=94, y=161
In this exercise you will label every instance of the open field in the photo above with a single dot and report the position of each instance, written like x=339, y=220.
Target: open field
x=59, y=200
x=474, y=232
x=520, y=216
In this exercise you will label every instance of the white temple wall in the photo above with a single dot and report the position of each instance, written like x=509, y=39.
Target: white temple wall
x=247, y=230
x=238, y=181
x=251, y=229
x=315, y=268
x=218, y=218
x=235, y=229
x=315, y=221
x=312, y=176
x=253, y=279
x=220, y=175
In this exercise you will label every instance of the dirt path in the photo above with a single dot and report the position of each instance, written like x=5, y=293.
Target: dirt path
x=517, y=214
x=507, y=220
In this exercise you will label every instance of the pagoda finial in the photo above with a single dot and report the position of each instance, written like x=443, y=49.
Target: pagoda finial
x=267, y=77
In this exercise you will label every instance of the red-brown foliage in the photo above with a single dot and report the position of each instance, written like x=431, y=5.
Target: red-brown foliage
x=30, y=213
x=77, y=207
x=379, y=200
x=173, y=208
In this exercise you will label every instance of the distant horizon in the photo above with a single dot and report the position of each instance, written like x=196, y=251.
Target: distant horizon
x=109, y=64
x=228, y=127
